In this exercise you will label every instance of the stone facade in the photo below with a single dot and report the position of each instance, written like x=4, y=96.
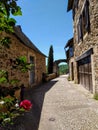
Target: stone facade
x=17, y=49
x=90, y=40
x=56, y=65
x=71, y=68
x=69, y=49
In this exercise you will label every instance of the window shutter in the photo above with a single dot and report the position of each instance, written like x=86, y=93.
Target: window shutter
x=86, y=9
x=80, y=28
x=73, y=12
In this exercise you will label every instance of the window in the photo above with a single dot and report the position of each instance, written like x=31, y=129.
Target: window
x=71, y=51
x=67, y=54
x=79, y=29
x=83, y=25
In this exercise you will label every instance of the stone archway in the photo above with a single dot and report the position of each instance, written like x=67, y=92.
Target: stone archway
x=56, y=67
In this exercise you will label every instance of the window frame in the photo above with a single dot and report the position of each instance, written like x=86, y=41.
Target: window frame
x=83, y=32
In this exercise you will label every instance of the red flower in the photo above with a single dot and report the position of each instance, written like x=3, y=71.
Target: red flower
x=26, y=104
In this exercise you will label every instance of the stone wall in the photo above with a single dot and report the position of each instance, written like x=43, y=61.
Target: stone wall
x=50, y=76
x=89, y=40
x=17, y=49
x=95, y=73
x=40, y=67
x=70, y=67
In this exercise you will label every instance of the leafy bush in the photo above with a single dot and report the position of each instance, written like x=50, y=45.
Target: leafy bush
x=10, y=108
x=96, y=96
x=5, y=91
x=63, y=69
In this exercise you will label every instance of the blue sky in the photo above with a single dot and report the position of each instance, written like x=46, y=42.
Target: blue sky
x=46, y=22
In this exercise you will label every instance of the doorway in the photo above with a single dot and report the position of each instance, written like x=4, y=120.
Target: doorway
x=72, y=71
x=32, y=71
x=85, y=73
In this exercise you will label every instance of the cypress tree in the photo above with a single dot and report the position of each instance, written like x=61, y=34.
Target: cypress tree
x=50, y=60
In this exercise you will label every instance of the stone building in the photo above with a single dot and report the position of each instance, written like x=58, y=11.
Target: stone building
x=85, y=25
x=21, y=46
x=69, y=49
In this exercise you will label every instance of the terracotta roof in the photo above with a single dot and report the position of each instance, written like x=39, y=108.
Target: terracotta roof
x=70, y=41
x=25, y=40
x=70, y=4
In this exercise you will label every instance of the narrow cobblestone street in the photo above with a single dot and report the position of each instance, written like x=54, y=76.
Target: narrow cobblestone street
x=59, y=105
x=68, y=107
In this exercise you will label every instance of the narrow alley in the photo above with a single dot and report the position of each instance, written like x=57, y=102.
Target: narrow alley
x=68, y=107
x=59, y=105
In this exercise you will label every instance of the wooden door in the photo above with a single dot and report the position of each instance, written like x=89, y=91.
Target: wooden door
x=85, y=73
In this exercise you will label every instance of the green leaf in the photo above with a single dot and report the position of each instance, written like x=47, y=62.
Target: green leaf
x=23, y=59
x=22, y=109
x=7, y=8
x=14, y=81
x=3, y=80
x=5, y=41
x=12, y=22
x=17, y=11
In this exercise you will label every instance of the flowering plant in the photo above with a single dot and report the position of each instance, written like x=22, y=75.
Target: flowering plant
x=10, y=108
x=26, y=104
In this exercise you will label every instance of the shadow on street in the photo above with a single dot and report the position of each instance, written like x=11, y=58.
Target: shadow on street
x=30, y=120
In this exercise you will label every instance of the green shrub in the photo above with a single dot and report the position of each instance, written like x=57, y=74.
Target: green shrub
x=96, y=96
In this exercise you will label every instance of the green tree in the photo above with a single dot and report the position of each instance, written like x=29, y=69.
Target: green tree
x=63, y=69
x=50, y=60
x=8, y=8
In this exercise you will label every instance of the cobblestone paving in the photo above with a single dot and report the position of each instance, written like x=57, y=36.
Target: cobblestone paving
x=59, y=105
x=68, y=106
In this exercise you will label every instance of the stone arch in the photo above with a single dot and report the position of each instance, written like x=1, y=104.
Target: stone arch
x=56, y=67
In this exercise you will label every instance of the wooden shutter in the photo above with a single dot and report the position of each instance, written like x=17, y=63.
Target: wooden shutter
x=86, y=9
x=79, y=29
